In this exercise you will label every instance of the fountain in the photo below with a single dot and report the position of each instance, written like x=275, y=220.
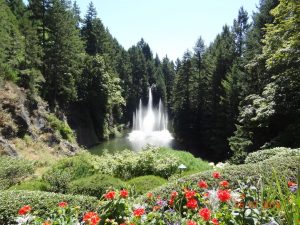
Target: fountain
x=150, y=126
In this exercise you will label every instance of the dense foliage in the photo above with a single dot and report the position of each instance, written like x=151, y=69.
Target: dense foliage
x=143, y=184
x=262, y=155
x=13, y=171
x=66, y=170
x=233, y=97
x=92, y=175
x=61, y=127
x=151, y=161
x=95, y=185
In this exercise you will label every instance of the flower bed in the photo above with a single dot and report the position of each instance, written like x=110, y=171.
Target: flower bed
x=286, y=167
x=214, y=202
x=41, y=202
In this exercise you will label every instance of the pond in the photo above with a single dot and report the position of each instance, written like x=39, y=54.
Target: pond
x=119, y=144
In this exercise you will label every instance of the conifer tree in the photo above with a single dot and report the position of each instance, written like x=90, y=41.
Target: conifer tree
x=11, y=44
x=63, y=53
x=94, y=33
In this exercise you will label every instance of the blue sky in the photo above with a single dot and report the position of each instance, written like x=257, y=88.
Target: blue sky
x=170, y=27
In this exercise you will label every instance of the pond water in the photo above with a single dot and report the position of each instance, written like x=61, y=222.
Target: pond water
x=119, y=144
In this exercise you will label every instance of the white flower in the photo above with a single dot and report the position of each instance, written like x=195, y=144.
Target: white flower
x=213, y=199
x=24, y=219
x=235, y=196
x=221, y=165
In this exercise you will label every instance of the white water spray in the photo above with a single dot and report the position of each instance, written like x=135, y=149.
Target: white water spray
x=150, y=126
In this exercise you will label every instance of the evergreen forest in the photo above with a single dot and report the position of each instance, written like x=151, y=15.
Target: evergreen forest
x=232, y=105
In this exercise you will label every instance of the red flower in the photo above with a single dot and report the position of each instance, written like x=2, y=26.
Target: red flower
x=206, y=194
x=192, y=203
x=224, y=183
x=191, y=222
x=149, y=195
x=205, y=214
x=174, y=194
x=223, y=195
x=24, y=210
x=216, y=175
x=290, y=184
x=215, y=221
x=110, y=195
x=62, y=204
x=202, y=184
x=124, y=193
x=189, y=194
x=91, y=218
x=139, y=212
x=171, y=202
x=46, y=223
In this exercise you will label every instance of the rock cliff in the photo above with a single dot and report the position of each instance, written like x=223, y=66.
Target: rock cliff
x=25, y=129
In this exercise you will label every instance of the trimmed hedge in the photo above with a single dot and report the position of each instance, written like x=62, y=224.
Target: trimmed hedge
x=12, y=201
x=285, y=167
x=31, y=185
x=144, y=184
x=186, y=158
x=13, y=171
x=262, y=155
x=68, y=169
x=95, y=185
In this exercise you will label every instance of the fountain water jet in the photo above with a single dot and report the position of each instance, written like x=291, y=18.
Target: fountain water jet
x=150, y=126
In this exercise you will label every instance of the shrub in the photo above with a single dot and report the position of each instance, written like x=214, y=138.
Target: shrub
x=13, y=170
x=95, y=185
x=62, y=127
x=286, y=167
x=146, y=183
x=31, y=185
x=262, y=155
x=67, y=170
x=41, y=202
x=128, y=164
x=187, y=159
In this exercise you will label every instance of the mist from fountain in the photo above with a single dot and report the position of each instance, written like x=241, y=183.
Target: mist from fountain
x=150, y=126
